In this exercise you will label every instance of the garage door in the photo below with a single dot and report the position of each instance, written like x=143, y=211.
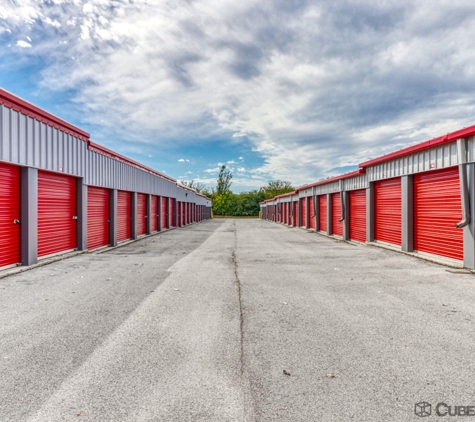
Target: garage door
x=311, y=212
x=337, y=226
x=98, y=214
x=141, y=214
x=57, y=213
x=172, y=212
x=388, y=211
x=154, y=211
x=296, y=213
x=10, y=212
x=303, y=217
x=437, y=208
x=124, y=221
x=164, y=213
x=322, y=213
x=358, y=215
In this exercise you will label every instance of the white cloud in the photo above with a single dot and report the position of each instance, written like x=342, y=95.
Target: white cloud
x=309, y=85
x=23, y=44
x=181, y=160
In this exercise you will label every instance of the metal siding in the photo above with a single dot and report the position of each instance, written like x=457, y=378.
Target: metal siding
x=124, y=215
x=357, y=211
x=141, y=214
x=337, y=226
x=388, y=215
x=155, y=211
x=10, y=211
x=57, y=207
x=328, y=188
x=357, y=182
x=437, y=208
x=98, y=215
x=322, y=214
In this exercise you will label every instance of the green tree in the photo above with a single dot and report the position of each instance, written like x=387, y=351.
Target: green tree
x=224, y=181
x=199, y=187
x=276, y=187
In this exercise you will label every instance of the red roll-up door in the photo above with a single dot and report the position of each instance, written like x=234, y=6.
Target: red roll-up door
x=141, y=214
x=57, y=213
x=388, y=211
x=124, y=215
x=337, y=226
x=164, y=213
x=296, y=213
x=172, y=212
x=303, y=201
x=154, y=211
x=98, y=214
x=322, y=213
x=10, y=213
x=358, y=215
x=311, y=212
x=437, y=208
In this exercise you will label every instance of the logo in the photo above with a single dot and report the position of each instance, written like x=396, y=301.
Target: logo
x=423, y=409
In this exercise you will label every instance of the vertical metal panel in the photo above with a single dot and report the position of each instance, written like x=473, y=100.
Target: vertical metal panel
x=388, y=215
x=164, y=213
x=437, y=209
x=311, y=213
x=322, y=213
x=303, y=212
x=357, y=211
x=141, y=214
x=337, y=226
x=57, y=213
x=154, y=213
x=98, y=217
x=356, y=182
x=124, y=215
x=10, y=214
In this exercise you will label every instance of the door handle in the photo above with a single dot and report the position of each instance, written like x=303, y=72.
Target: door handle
x=16, y=221
x=75, y=217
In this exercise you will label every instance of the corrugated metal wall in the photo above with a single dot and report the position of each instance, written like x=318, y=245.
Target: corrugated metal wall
x=29, y=142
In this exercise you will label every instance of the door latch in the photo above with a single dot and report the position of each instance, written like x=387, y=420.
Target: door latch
x=75, y=217
x=16, y=221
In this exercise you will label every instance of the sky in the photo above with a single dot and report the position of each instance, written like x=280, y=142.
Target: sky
x=296, y=90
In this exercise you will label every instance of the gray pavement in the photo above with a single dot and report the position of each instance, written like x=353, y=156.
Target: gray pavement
x=200, y=323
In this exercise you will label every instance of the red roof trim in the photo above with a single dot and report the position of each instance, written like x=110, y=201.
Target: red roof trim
x=15, y=103
x=119, y=157
x=333, y=179
x=450, y=137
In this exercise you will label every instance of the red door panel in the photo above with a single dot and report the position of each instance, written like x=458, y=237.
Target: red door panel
x=172, y=212
x=358, y=215
x=141, y=214
x=337, y=226
x=437, y=208
x=311, y=212
x=303, y=201
x=10, y=214
x=124, y=214
x=164, y=213
x=296, y=213
x=57, y=213
x=388, y=211
x=322, y=213
x=98, y=214
x=154, y=211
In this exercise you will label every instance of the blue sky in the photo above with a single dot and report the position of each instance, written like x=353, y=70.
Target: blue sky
x=284, y=89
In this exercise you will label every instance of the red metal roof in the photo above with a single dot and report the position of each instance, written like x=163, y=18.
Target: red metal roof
x=450, y=137
x=24, y=107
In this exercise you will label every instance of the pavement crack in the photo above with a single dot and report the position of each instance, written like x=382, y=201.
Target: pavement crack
x=248, y=399
x=241, y=317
